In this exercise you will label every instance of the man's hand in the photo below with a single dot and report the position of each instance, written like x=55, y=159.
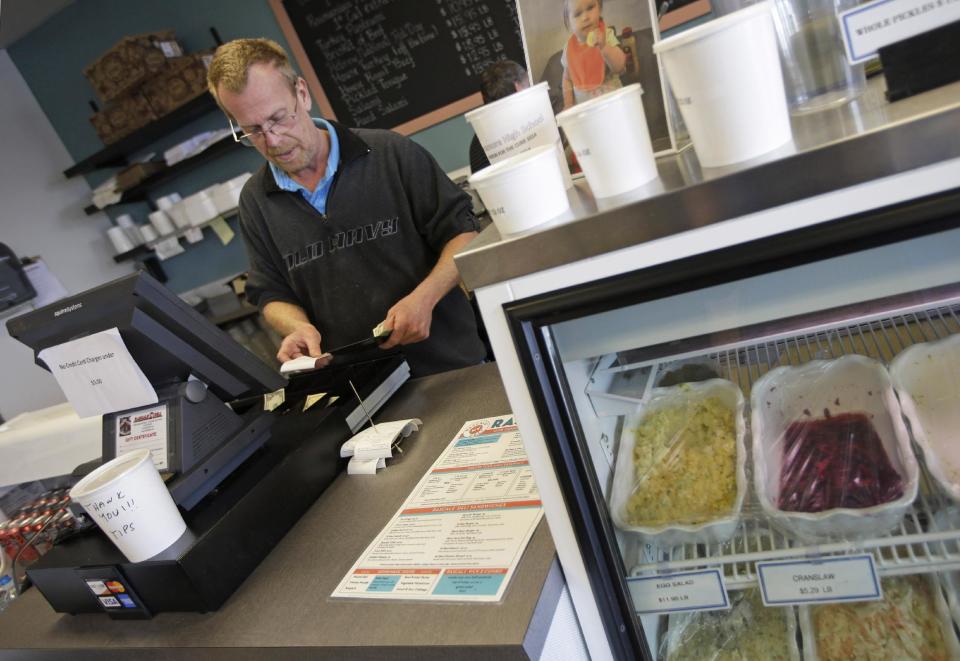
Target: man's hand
x=303, y=341
x=409, y=320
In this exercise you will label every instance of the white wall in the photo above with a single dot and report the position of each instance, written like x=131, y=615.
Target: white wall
x=41, y=213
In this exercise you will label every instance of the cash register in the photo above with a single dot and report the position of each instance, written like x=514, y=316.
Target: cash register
x=242, y=476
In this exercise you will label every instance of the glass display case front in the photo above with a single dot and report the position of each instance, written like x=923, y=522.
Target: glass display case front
x=759, y=446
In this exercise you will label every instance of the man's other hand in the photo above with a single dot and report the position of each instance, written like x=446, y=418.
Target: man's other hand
x=408, y=320
x=303, y=341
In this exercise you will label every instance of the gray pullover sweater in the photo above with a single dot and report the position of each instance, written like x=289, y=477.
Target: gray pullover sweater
x=390, y=211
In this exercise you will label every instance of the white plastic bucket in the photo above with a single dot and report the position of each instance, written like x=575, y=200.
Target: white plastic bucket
x=178, y=214
x=609, y=135
x=727, y=80
x=161, y=222
x=168, y=201
x=200, y=207
x=522, y=191
x=131, y=504
x=518, y=123
x=120, y=239
x=149, y=233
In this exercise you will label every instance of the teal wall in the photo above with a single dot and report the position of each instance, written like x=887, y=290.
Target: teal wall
x=51, y=60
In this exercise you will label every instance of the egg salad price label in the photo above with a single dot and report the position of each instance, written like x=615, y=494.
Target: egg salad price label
x=683, y=591
x=797, y=582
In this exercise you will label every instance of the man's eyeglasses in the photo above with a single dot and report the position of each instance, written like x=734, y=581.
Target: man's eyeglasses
x=278, y=126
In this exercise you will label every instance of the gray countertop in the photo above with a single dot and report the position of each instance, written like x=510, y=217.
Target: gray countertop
x=832, y=149
x=284, y=610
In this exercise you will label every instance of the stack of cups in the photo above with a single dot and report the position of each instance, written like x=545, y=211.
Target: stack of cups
x=129, y=501
x=726, y=78
x=609, y=135
x=120, y=239
x=130, y=228
x=149, y=233
x=517, y=123
x=172, y=205
x=168, y=201
x=161, y=222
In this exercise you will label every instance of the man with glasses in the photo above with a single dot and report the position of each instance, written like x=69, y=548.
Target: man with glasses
x=346, y=229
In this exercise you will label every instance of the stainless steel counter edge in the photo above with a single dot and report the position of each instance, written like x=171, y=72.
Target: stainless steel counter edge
x=832, y=150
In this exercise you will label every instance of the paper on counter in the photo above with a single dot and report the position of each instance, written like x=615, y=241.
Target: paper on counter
x=98, y=375
x=374, y=443
x=48, y=287
x=357, y=466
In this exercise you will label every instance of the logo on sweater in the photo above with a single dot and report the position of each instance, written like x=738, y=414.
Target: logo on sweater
x=342, y=241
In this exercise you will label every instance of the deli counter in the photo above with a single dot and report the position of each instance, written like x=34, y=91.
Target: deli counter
x=738, y=392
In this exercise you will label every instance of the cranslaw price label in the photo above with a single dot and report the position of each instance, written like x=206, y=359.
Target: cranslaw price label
x=847, y=578
x=681, y=591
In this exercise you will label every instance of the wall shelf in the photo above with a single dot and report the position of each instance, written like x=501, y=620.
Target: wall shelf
x=139, y=192
x=145, y=250
x=115, y=155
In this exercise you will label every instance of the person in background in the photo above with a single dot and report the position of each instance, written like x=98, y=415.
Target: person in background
x=346, y=229
x=497, y=81
x=592, y=59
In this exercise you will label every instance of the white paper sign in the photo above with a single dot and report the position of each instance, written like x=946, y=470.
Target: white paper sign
x=98, y=375
x=682, y=591
x=847, y=578
x=146, y=428
x=869, y=27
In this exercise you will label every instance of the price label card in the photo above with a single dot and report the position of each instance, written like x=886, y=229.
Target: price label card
x=847, y=578
x=683, y=591
x=97, y=373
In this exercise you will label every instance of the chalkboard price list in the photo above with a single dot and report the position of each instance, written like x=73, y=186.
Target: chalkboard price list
x=384, y=62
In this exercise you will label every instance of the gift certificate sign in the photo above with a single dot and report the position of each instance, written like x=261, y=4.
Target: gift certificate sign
x=460, y=534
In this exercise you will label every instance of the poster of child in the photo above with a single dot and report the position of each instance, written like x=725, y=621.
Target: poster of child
x=585, y=48
x=592, y=58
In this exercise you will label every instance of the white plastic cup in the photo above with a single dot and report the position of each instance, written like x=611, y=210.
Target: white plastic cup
x=610, y=137
x=200, y=207
x=120, y=239
x=130, y=227
x=517, y=123
x=522, y=191
x=149, y=233
x=727, y=80
x=161, y=222
x=131, y=504
x=178, y=214
x=168, y=201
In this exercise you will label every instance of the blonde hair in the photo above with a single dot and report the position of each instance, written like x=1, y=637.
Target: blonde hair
x=232, y=61
x=566, y=12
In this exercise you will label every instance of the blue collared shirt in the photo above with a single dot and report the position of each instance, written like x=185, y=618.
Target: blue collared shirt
x=317, y=198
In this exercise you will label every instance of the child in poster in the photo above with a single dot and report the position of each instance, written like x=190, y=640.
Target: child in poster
x=592, y=58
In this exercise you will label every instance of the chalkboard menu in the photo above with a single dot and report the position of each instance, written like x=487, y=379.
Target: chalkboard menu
x=400, y=64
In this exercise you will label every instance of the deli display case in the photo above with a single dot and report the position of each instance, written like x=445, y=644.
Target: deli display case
x=740, y=392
